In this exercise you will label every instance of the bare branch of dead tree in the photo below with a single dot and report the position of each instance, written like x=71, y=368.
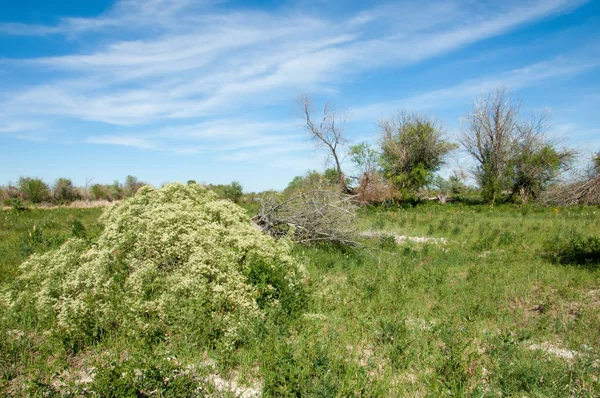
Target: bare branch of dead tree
x=328, y=133
x=586, y=192
x=307, y=217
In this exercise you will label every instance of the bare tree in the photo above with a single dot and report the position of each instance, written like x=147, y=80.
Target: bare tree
x=88, y=183
x=489, y=134
x=513, y=155
x=326, y=131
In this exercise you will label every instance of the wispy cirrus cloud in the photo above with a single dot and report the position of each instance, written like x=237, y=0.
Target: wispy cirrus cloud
x=462, y=92
x=175, y=75
x=125, y=14
x=201, y=61
x=227, y=140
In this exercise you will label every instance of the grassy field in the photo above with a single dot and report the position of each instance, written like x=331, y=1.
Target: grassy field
x=501, y=302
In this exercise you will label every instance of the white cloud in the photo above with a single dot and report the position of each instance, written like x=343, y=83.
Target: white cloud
x=170, y=63
x=464, y=91
x=18, y=126
x=122, y=140
x=225, y=139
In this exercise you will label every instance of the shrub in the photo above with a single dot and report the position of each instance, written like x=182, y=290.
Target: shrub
x=10, y=194
x=17, y=205
x=33, y=189
x=100, y=192
x=131, y=186
x=234, y=191
x=373, y=188
x=115, y=191
x=171, y=260
x=312, y=181
x=65, y=191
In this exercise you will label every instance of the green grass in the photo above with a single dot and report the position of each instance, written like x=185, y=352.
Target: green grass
x=509, y=306
x=23, y=233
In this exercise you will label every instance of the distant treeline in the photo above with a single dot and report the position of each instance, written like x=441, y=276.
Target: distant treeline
x=33, y=190
x=512, y=158
x=36, y=191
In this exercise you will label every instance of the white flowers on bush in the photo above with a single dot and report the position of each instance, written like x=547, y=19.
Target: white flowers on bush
x=175, y=258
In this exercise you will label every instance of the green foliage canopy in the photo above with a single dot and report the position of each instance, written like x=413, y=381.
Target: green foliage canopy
x=413, y=148
x=33, y=189
x=65, y=191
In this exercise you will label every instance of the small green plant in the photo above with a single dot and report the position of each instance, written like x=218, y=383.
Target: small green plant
x=387, y=241
x=431, y=229
x=147, y=376
x=443, y=225
x=577, y=249
x=378, y=223
x=456, y=230
x=18, y=205
x=78, y=229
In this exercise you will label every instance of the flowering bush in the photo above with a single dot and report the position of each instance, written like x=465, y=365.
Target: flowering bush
x=175, y=259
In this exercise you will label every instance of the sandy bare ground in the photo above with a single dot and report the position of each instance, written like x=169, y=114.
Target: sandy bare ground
x=400, y=239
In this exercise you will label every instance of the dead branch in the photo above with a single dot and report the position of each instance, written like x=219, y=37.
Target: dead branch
x=314, y=216
x=586, y=192
x=329, y=133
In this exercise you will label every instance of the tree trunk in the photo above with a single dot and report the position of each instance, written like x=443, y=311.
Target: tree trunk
x=524, y=195
x=442, y=197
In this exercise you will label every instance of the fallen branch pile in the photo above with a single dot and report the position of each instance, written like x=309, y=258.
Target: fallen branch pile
x=314, y=216
x=579, y=193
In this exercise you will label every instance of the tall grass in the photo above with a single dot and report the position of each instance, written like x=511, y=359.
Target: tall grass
x=490, y=312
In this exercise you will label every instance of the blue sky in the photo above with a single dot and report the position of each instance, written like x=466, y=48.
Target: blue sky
x=171, y=90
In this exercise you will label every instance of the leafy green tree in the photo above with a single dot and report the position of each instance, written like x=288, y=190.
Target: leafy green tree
x=295, y=184
x=596, y=163
x=64, y=191
x=234, y=191
x=511, y=154
x=413, y=148
x=332, y=176
x=365, y=158
x=116, y=191
x=313, y=180
x=33, y=189
x=131, y=186
x=100, y=192
x=537, y=163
